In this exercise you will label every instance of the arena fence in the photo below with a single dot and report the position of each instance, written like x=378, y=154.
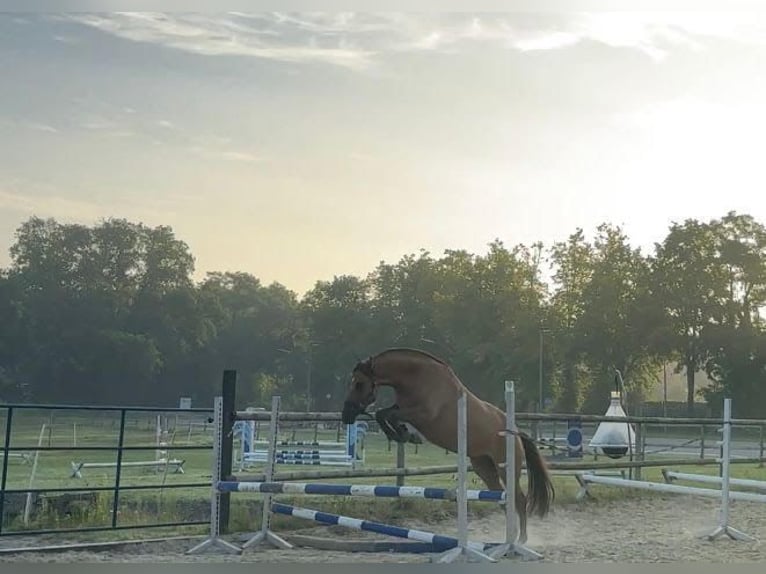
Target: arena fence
x=14, y=452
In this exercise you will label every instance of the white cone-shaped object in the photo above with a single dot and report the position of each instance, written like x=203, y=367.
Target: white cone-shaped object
x=614, y=438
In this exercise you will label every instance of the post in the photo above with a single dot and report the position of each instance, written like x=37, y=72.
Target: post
x=28, y=504
x=4, y=478
x=540, y=375
x=228, y=412
x=462, y=552
x=665, y=393
x=118, y=470
x=266, y=535
x=214, y=538
x=723, y=520
x=702, y=441
x=639, y=434
x=400, y=455
x=760, y=464
x=308, y=377
x=511, y=524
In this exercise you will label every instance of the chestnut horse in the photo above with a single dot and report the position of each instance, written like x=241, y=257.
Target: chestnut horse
x=426, y=394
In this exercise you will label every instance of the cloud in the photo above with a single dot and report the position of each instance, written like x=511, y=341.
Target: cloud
x=271, y=38
x=653, y=34
x=226, y=154
x=42, y=127
x=32, y=197
x=46, y=203
x=355, y=41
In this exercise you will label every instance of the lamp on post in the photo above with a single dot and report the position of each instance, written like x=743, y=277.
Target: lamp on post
x=309, y=345
x=540, y=397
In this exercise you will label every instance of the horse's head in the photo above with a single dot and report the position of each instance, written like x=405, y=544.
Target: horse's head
x=361, y=392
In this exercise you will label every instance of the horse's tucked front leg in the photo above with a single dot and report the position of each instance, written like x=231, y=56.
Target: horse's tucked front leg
x=396, y=430
x=382, y=416
x=398, y=420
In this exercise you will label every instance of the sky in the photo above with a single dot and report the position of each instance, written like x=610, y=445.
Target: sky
x=300, y=146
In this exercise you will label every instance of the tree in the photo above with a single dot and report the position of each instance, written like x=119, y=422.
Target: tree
x=573, y=263
x=615, y=327
x=688, y=279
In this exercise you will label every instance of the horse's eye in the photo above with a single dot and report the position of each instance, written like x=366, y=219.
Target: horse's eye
x=358, y=385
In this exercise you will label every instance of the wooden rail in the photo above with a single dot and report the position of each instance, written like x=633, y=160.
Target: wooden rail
x=558, y=417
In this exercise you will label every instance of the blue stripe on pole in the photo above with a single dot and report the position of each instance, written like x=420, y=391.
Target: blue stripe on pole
x=493, y=495
x=337, y=489
x=387, y=491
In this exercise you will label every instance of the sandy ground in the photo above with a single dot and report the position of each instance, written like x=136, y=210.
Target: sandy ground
x=660, y=528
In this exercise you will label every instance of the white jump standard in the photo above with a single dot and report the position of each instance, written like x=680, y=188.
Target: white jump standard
x=511, y=545
x=215, y=496
x=723, y=519
x=266, y=535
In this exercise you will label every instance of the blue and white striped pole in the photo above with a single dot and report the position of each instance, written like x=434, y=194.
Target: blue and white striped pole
x=440, y=543
x=362, y=490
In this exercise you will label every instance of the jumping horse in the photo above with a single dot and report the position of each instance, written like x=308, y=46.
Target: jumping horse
x=426, y=393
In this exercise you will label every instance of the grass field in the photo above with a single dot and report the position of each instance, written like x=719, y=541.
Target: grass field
x=161, y=504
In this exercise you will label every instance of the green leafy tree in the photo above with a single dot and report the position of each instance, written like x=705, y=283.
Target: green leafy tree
x=688, y=279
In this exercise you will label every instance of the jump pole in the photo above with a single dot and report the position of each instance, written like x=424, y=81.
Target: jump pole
x=266, y=535
x=214, y=539
x=511, y=546
x=439, y=542
x=462, y=552
x=360, y=490
x=723, y=516
x=670, y=475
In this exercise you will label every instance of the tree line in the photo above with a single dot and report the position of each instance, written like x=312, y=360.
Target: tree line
x=110, y=314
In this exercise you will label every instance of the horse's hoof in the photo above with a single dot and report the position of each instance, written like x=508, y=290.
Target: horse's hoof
x=415, y=439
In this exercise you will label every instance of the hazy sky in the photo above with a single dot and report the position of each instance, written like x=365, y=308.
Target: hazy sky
x=300, y=146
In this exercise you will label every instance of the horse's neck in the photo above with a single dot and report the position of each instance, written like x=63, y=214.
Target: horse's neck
x=405, y=371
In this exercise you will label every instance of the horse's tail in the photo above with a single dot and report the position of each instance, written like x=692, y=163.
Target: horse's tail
x=540, y=491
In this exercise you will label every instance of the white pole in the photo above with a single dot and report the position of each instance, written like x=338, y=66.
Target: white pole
x=586, y=478
x=462, y=471
x=28, y=505
x=723, y=520
x=511, y=520
x=462, y=552
x=710, y=479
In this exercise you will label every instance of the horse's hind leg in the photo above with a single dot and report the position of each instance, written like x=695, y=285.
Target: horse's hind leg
x=521, y=511
x=487, y=471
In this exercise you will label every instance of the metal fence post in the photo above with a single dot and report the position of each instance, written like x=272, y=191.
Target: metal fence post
x=6, y=456
x=118, y=473
x=228, y=414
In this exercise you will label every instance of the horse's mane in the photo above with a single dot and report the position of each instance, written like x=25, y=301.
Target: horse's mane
x=365, y=366
x=413, y=351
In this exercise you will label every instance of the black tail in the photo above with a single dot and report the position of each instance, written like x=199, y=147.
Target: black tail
x=540, y=491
